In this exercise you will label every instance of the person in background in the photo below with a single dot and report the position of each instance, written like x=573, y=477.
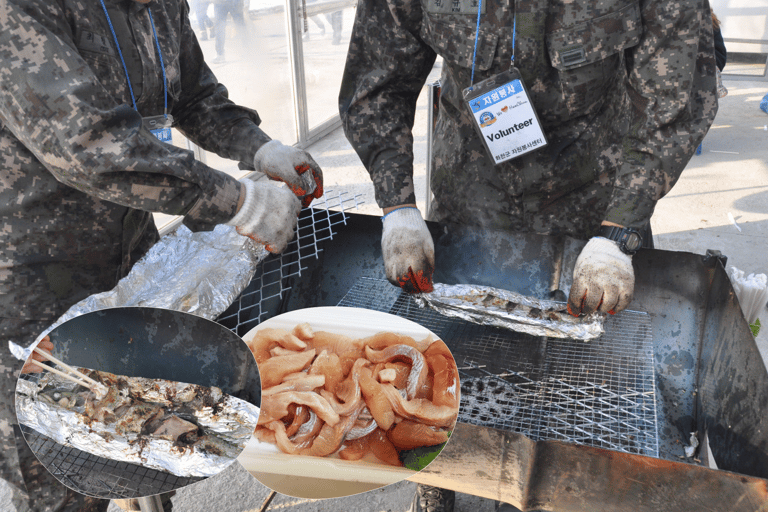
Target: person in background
x=611, y=99
x=335, y=19
x=222, y=9
x=204, y=22
x=88, y=95
x=721, y=56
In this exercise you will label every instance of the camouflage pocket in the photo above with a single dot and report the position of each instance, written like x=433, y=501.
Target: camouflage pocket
x=587, y=55
x=595, y=40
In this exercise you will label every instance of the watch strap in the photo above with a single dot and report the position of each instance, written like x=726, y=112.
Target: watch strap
x=611, y=233
x=620, y=236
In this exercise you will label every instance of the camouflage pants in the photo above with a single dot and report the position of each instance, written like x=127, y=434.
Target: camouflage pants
x=30, y=487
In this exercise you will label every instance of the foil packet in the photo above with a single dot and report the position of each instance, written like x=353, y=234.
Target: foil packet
x=72, y=416
x=199, y=273
x=501, y=308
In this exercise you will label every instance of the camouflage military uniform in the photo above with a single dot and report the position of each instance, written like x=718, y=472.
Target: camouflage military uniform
x=78, y=173
x=622, y=118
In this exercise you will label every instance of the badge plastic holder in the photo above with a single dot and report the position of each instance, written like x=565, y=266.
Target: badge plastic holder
x=160, y=126
x=504, y=116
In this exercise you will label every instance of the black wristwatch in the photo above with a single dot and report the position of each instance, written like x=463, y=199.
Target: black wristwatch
x=629, y=239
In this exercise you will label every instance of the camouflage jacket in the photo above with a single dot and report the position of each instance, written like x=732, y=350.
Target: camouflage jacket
x=624, y=89
x=78, y=172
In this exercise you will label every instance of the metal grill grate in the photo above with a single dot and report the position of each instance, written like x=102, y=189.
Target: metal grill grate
x=98, y=476
x=266, y=289
x=599, y=393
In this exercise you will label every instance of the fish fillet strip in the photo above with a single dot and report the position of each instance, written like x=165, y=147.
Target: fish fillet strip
x=328, y=394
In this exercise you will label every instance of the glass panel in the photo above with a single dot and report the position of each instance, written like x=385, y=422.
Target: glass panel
x=246, y=45
x=327, y=27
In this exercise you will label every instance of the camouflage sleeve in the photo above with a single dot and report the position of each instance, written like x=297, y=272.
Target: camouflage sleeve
x=206, y=116
x=53, y=103
x=673, y=91
x=386, y=68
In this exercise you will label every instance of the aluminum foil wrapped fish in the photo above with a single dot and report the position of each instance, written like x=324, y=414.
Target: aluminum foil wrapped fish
x=184, y=429
x=501, y=308
x=199, y=273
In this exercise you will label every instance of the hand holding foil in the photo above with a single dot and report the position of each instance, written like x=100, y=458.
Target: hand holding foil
x=294, y=167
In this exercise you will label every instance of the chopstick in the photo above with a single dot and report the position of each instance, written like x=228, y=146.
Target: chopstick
x=63, y=374
x=73, y=374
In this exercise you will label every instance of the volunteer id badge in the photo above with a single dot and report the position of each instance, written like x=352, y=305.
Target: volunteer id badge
x=160, y=126
x=504, y=116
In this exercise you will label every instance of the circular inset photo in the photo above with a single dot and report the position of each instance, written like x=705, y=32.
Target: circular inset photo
x=132, y=402
x=352, y=400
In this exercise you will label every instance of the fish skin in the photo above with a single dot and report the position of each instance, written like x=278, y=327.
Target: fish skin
x=331, y=436
x=419, y=408
x=419, y=369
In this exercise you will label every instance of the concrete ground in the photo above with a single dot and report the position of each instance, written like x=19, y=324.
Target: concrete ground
x=719, y=203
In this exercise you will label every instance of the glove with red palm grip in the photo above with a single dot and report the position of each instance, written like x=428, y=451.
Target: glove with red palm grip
x=408, y=250
x=292, y=166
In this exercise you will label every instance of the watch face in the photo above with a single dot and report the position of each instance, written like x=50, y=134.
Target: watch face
x=633, y=242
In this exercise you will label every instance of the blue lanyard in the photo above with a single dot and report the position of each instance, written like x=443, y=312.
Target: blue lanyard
x=125, y=68
x=477, y=34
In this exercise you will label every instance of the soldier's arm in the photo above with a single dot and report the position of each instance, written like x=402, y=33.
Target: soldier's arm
x=53, y=103
x=206, y=115
x=386, y=68
x=673, y=90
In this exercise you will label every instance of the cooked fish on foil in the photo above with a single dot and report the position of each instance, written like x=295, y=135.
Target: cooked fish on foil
x=501, y=308
x=185, y=429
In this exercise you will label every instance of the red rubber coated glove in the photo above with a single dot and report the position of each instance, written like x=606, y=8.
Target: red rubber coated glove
x=408, y=250
x=292, y=166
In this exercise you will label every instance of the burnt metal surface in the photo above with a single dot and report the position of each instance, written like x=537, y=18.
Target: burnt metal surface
x=678, y=291
x=159, y=344
x=732, y=387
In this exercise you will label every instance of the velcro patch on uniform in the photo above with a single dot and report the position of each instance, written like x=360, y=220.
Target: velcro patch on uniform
x=97, y=43
x=452, y=6
x=573, y=56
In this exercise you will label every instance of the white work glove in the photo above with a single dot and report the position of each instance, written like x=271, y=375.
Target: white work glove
x=268, y=216
x=292, y=166
x=409, y=253
x=603, y=279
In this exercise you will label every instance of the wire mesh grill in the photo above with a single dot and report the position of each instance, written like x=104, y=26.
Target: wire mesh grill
x=598, y=393
x=97, y=476
x=269, y=284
